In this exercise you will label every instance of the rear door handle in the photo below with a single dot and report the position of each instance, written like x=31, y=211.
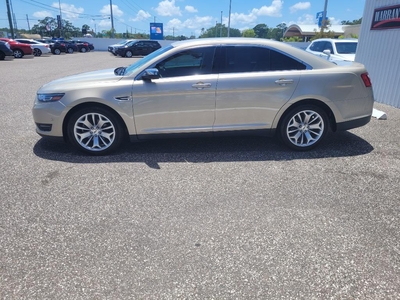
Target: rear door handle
x=201, y=85
x=284, y=81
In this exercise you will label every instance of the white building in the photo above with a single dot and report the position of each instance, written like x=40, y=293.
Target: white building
x=378, y=48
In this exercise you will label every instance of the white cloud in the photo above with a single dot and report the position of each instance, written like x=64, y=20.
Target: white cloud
x=116, y=11
x=141, y=16
x=274, y=10
x=42, y=14
x=190, y=9
x=305, y=19
x=177, y=27
x=168, y=8
x=299, y=6
x=69, y=11
x=106, y=23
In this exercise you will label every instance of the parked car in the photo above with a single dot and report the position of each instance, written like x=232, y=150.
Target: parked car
x=339, y=51
x=56, y=46
x=70, y=47
x=111, y=48
x=38, y=47
x=83, y=46
x=207, y=87
x=20, y=50
x=5, y=51
x=137, y=48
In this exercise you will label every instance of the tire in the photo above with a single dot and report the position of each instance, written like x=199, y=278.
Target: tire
x=128, y=54
x=57, y=51
x=83, y=50
x=70, y=50
x=304, y=127
x=18, y=53
x=2, y=55
x=95, y=130
x=37, y=52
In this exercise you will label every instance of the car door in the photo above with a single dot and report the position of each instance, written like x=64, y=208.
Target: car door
x=182, y=100
x=254, y=83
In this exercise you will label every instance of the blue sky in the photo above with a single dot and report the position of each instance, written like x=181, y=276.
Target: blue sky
x=180, y=17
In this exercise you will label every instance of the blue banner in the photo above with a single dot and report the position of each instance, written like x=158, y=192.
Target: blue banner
x=156, y=31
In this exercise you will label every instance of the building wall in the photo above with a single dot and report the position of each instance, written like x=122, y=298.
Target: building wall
x=378, y=50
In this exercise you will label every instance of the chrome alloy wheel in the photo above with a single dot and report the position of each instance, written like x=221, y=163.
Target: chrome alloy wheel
x=305, y=128
x=94, y=132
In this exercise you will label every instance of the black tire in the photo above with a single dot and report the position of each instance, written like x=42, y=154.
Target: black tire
x=128, y=53
x=95, y=139
x=2, y=55
x=70, y=50
x=304, y=127
x=37, y=52
x=83, y=50
x=57, y=51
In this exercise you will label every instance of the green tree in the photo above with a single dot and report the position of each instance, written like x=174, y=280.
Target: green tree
x=261, y=31
x=248, y=33
x=49, y=26
x=216, y=31
x=354, y=22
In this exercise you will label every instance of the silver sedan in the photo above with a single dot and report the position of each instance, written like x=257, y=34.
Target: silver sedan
x=207, y=87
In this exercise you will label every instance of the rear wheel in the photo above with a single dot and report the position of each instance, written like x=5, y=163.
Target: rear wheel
x=83, y=50
x=304, y=127
x=37, y=52
x=57, y=51
x=128, y=53
x=95, y=130
x=18, y=53
x=70, y=50
x=2, y=55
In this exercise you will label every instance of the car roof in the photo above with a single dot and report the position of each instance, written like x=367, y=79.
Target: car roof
x=336, y=40
x=314, y=61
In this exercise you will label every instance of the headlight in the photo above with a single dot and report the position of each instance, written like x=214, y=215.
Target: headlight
x=49, y=97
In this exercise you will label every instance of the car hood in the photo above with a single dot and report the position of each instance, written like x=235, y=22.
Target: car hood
x=84, y=80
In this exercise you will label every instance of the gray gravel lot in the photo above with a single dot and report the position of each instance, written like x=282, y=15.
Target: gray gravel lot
x=229, y=218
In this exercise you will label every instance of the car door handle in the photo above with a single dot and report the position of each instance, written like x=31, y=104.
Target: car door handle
x=284, y=81
x=201, y=85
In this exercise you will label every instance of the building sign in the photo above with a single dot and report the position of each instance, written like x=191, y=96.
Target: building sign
x=386, y=18
x=156, y=31
x=318, y=18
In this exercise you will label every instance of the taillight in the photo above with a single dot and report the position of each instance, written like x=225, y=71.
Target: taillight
x=366, y=79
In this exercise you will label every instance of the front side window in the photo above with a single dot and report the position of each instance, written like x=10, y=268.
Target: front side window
x=317, y=46
x=188, y=62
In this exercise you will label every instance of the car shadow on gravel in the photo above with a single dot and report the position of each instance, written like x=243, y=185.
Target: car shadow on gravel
x=207, y=150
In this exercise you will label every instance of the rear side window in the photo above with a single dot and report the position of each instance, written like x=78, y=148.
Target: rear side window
x=237, y=59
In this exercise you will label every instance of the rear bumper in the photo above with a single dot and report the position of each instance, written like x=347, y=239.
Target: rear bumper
x=353, y=123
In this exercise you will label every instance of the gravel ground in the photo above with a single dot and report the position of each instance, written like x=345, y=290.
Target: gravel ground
x=227, y=218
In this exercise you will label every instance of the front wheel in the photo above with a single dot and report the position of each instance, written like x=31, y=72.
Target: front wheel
x=304, y=127
x=70, y=50
x=95, y=131
x=83, y=50
x=37, y=52
x=57, y=51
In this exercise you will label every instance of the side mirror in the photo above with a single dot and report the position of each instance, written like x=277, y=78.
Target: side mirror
x=327, y=52
x=150, y=74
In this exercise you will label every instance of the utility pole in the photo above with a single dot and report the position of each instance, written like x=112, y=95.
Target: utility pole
x=9, y=19
x=220, y=30
x=112, y=20
x=323, y=23
x=27, y=20
x=59, y=5
x=229, y=22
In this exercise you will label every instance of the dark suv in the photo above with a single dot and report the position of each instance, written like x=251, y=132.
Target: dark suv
x=137, y=48
x=5, y=51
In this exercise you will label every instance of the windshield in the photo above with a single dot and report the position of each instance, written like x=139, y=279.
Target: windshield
x=133, y=67
x=346, y=48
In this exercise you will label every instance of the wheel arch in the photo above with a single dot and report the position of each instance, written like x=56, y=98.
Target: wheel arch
x=315, y=102
x=87, y=105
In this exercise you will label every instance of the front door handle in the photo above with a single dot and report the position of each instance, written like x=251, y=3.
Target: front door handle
x=284, y=81
x=201, y=85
